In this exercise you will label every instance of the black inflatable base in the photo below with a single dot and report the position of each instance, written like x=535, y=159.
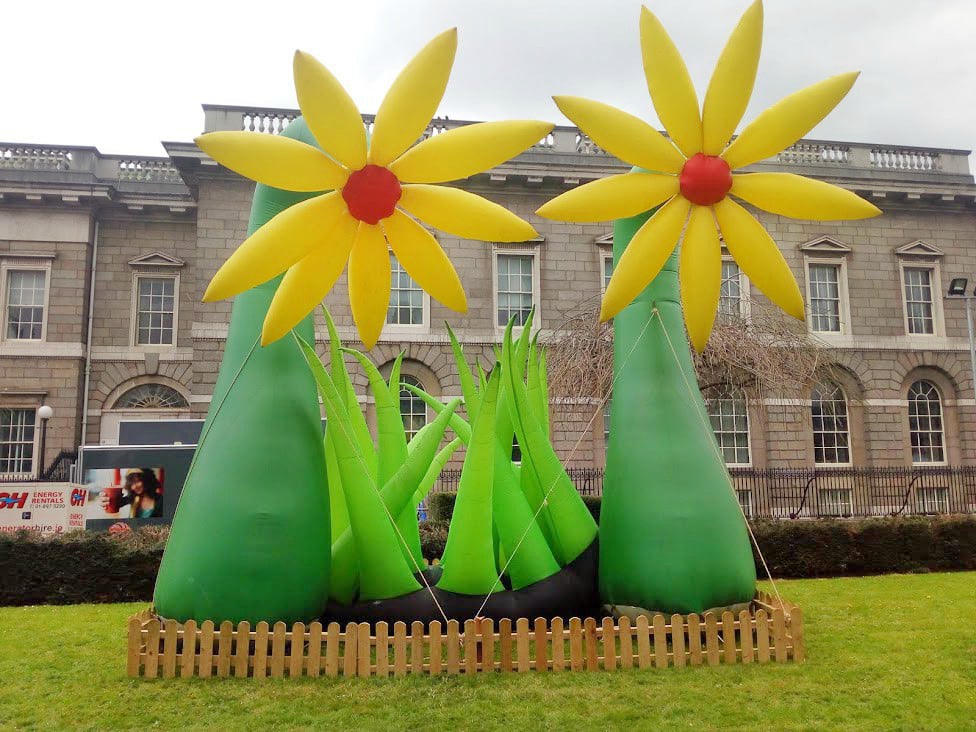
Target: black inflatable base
x=571, y=592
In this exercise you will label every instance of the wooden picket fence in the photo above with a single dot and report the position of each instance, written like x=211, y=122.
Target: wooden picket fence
x=767, y=631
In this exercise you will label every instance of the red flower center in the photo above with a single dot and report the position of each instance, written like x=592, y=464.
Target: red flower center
x=705, y=179
x=371, y=193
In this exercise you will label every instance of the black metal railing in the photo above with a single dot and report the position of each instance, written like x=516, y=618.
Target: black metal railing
x=59, y=471
x=786, y=493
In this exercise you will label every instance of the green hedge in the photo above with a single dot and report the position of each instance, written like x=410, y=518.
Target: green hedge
x=95, y=567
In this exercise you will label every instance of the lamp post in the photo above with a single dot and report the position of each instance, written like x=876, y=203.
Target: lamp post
x=45, y=413
x=957, y=288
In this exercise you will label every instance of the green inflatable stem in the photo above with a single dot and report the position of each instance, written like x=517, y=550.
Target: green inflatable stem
x=250, y=538
x=672, y=535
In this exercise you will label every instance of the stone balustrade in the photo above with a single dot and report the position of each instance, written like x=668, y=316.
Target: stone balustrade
x=87, y=160
x=834, y=156
x=35, y=157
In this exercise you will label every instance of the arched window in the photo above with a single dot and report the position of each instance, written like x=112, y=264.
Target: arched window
x=151, y=396
x=925, y=423
x=412, y=407
x=831, y=433
x=729, y=416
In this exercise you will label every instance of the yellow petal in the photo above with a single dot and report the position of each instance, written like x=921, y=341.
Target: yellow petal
x=644, y=256
x=732, y=81
x=701, y=275
x=274, y=160
x=792, y=195
x=277, y=245
x=369, y=283
x=465, y=151
x=758, y=256
x=670, y=85
x=411, y=102
x=623, y=135
x=330, y=112
x=306, y=283
x=464, y=214
x=616, y=197
x=419, y=253
x=787, y=121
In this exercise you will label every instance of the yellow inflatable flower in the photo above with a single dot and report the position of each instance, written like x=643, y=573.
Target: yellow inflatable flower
x=695, y=175
x=369, y=188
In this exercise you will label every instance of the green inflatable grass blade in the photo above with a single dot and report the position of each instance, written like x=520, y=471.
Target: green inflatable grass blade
x=515, y=522
x=538, y=396
x=383, y=569
x=470, y=566
x=672, y=536
x=257, y=497
x=461, y=428
x=340, y=375
x=391, y=439
x=397, y=493
x=482, y=377
x=529, y=486
x=574, y=525
x=425, y=441
x=345, y=567
x=468, y=391
x=430, y=477
x=394, y=382
x=416, y=435
x=337, y=500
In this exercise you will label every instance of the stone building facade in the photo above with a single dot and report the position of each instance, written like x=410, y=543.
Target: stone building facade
x=110, y=256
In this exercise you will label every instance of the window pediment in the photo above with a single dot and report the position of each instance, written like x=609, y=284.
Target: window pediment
x=826, y=245
x=919, y=248
x=157, y=259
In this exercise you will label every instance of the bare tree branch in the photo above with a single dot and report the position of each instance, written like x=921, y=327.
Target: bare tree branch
x=766, y=352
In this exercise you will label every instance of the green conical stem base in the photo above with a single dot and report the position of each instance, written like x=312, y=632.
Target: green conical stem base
x=672, y=535
x=250, y=540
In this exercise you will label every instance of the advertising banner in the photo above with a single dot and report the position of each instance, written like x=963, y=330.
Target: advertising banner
x=47, y=508
x=132, y=485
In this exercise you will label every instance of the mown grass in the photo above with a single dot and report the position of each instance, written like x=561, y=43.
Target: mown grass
x=893, y=652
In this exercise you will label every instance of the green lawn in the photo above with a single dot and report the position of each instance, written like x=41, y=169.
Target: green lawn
x=895, y=652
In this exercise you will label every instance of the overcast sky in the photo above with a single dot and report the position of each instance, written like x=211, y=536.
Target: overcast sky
x=123, y=76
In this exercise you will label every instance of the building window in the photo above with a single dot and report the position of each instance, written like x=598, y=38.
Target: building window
x=606, y=424
x=730, y=296
x=831, y=436
x=607, y=260
x=26, y=294
x=515, y=287
x=823, y=291
x=729, y=416
x=412, y=407
x=933, y=499
x=745, y=502
x=17, y=440
x=406, y=297
x=925, y=423
x=155, y=310
x=919, y=309
x=837, y=502
x=151, y=396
